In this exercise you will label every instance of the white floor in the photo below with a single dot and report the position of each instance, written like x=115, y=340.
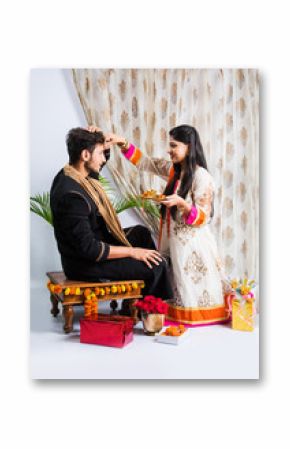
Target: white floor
x=211, y=352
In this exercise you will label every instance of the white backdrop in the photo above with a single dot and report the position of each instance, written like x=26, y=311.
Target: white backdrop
x=54, y=109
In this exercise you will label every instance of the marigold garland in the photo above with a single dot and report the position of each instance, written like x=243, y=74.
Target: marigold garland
x=98, y=291
x=91, y=295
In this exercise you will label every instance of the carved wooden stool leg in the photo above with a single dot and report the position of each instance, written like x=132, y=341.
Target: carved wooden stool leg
x=134, y=311
x=54, y=301
x=113, y=306
x=68, y=315
x=125, y=307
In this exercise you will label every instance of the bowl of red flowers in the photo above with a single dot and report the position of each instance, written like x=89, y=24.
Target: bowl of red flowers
x=153, y=311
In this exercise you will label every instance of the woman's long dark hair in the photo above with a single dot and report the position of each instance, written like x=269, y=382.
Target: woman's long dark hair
x=189, y=136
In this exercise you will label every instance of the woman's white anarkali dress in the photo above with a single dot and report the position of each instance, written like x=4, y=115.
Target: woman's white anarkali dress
x=198, y=278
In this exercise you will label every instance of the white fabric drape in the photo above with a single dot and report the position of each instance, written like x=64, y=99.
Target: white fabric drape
x=223, y=105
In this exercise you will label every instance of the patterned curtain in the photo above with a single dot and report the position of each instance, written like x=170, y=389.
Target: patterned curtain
x=223, y=104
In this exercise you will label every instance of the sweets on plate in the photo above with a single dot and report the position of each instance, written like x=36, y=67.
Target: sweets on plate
x=173, y=334
x=174, y=331
x=153, y=195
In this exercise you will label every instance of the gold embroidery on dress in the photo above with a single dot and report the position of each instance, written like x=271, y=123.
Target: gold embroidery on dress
x=177, y=297
x=176, y=300
x=183, y=232
x=195, y=267
x=206, y=300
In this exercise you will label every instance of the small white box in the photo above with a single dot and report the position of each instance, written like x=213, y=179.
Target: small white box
x=171, y=339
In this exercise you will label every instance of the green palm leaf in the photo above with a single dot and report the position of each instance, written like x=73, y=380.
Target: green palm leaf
x=40, y=203
x=133, y=201
x=106, y=185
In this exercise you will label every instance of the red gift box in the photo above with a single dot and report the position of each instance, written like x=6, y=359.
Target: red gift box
x=106, y=330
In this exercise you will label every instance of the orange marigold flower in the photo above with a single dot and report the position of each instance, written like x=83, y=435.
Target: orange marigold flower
x=57, y=288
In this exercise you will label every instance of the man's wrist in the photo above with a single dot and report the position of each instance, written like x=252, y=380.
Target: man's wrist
x=130, y=251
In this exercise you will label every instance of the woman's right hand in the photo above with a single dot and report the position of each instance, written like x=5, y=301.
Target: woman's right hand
x=146, y=256
x=114, y=139
x=111, y=138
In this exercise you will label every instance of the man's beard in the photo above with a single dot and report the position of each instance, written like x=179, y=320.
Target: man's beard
x=92, y=173
x=107, y=155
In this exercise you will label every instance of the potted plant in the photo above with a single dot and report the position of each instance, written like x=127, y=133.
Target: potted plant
x=153, y=311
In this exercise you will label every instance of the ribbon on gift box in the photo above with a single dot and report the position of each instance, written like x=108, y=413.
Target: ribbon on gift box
x=242, y=317
x=241, y=300
x=229, y=306
x=241, y=291
x=242, y=286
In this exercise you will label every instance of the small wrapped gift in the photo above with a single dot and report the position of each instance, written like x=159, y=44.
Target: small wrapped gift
x=106, y=330
x=242, y=305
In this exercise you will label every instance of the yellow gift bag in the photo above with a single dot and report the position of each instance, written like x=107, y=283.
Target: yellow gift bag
x=243, y=313
x=242, y=306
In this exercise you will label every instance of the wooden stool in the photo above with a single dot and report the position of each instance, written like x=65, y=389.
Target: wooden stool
x=73, y=293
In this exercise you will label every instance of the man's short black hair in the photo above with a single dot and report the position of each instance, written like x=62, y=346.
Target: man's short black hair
x=79, y=139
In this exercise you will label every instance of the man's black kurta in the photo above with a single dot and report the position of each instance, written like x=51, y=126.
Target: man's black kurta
x=84, y=241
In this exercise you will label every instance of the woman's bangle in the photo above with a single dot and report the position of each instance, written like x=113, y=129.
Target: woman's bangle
x=184, y=207
x=125, y=145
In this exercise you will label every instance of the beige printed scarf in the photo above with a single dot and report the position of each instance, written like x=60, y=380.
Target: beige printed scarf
x=98, y=195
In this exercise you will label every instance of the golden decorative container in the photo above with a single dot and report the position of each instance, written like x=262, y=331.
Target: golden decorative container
x=152, y=323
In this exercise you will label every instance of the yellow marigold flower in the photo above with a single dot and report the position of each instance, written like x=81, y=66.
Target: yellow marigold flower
x=234, y=284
